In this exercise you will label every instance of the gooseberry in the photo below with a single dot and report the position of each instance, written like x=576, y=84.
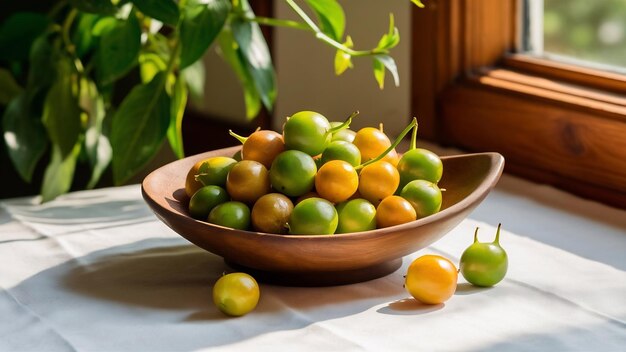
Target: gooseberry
x=484, y=264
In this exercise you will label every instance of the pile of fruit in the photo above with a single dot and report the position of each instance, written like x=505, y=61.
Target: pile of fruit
x=316, y=178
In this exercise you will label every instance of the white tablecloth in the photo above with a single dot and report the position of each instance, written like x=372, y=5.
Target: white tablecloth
x=96, y=271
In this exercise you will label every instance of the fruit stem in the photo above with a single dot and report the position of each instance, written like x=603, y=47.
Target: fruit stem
x=413, y=144
x=391, y=147
x=238, y=137
x=476, y=235
x=345, y=124
x=497, y=240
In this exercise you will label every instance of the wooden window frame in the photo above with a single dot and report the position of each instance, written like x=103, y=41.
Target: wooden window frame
x=555, y=123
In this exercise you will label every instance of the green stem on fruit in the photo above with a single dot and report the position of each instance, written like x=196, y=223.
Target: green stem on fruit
x=345, y=124
x=497, y=240
x=413, y=144
x=476, y=235
x=391, y=147
x=238, y=137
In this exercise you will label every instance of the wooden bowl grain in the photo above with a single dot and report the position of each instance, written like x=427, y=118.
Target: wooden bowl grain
x=322, y=260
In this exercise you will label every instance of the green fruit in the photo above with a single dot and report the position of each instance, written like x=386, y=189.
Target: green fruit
x=236, y=294
x=232, y=214
x=342, y=150
x=205, y=199
x=356, y=215
x=313, y=216
x=484, y=264
x=293, y=173
x=215, y=170
x=308, y=132
x=419, y=164
x=424, y=196
x=346, y=135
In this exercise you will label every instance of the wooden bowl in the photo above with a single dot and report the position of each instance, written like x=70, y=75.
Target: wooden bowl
x=322, y=260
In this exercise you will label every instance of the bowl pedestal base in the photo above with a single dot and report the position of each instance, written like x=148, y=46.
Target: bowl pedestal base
x=321, y=278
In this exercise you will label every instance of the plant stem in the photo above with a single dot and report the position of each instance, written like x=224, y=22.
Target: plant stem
x=56, y=9
x=497, y=240
x=413, y=144
x=298, y=10
x=275, y=22
x=335, y=44
x=241, y=139
x=328, y=40
x=65, y=32
x=391, y=147
x=345, y=124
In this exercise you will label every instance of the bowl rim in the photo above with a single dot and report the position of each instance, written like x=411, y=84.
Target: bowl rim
x=475, y=197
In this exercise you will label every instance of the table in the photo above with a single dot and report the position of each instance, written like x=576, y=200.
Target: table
x=96, y=271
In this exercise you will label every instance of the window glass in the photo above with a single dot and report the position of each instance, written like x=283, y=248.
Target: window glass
x=583, y=32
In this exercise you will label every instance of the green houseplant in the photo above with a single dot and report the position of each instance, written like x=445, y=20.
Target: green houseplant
x=59, y=81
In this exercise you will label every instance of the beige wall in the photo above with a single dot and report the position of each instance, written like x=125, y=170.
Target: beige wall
x=306, y=79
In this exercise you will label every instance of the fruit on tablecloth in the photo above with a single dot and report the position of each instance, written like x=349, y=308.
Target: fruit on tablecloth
x=236, y=294
x=431, y=279
x=484, y=264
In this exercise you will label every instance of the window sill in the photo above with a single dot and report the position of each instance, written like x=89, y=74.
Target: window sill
x=552, y=131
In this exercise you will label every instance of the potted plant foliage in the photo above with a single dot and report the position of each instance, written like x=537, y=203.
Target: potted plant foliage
x=59, y=73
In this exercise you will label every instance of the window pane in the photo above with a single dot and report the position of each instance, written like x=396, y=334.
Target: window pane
x=584, y=32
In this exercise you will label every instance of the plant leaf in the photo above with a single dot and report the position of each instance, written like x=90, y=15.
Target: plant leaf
x=232, y=55
x=43, y=61
x=379, y=72
x=149, y=65
x=256, y=57
x=343, y=60
x=18, y=32
x=9, y=89
x=24, y=135
x=97, y=146
x=391, y=38
x=175, y=131
x=139, y=127
x=201, y=24
x=418, y=3
x=380, y=63
x=103, y=25
x=165, y=11
x=59, y=173
x=332, y=19
x=119, y=49
x=61, y=114
x=102, y=7
x=194, y=76
x=83, y=37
